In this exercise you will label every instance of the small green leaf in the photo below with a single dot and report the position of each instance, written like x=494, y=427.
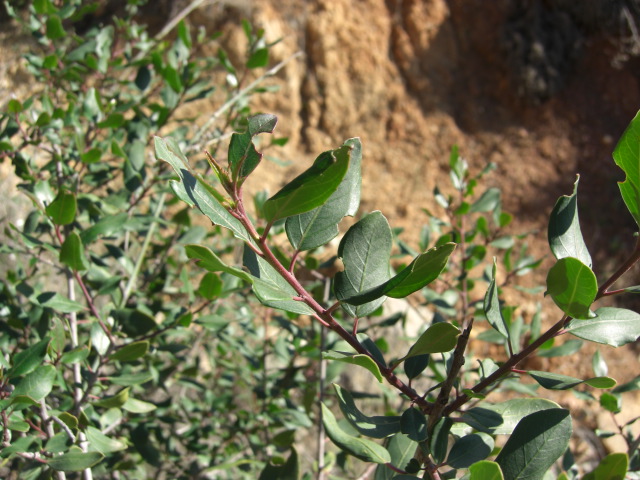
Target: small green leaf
x=310, y=189
x=365, y=251
x=413, y=423
x=36, y=384
x=195, y=191
x=470, y=449
x=488, y=201
x=91, y=156
x=63, y=208
x=134, y=405
x=612, y=467
x=626, y=156
x=414, y=366
x=565, y=236
x=127, y=379
x=55, y=29
x=611, y=326
x=567, y=348
x=72, y=253
x=28, y=360
x=286, y=471
x=361, y=448
x=106, y=226
x=423, y=270
x=259, y=58
x=554, y=381
x=402, y=449
x=485, y=470
x=262, y=123
x=75, y=461
x=359, y=359
x=439, y=440
x=210, y=261
x=113, y=401
x=502, y=418
x=131, y=351
x=373, y=427
x=99, y=442
x=611, y=402
x=438, y=338
x=319, y=226
x=492, y=308
x=58, y=302
x=572, y=286
x=114, y=120
x=536, y=443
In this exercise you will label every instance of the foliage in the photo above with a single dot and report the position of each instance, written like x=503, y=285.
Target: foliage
x=444, y=421
x=102, y=321
x=122, y=358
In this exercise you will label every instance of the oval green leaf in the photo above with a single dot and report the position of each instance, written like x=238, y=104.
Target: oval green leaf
x=565, y=236
x=470, y=449
x=626, y=156
x=359, y=359
x=413, y=423
x=611, y=326
x=131, y=351
x=438, y=338
x=28, y=360
x=572, y=286
x=36, y=384
x=361, y=448
x=72, y=253
x=365, y=251
x=373, y=427
x=75, y=461
x=63, y=208
x=535, y=444
x=485, y=470
x=310, y=189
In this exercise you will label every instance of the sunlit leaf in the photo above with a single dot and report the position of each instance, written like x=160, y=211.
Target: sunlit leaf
x=627, y=157
x=374, y=426
x=611, y=326
x=572, y=286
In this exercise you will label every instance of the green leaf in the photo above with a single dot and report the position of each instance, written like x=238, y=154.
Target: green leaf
x=243, y=157
x=106, y=226
x=195, y=191
x=36, y=384
x=319, y=226
x=131, y=351
x=413, y=423
x=58, y=302
x=72, y=253
x=554, y=381
x=414, y=366
x=470, y=449
x=487, y=202
x=611, y=326
x=361, y=448
x=572, y=286
x=365, y=251
x=286, y=471
x=612, y=467
x=271, y=288
x=438, y=338
x=91, y=156
x=259, y=58
x=423, y=270
x=75, y=461
x=63, y=208
x=134, y=322
x=492, y=306
x=101, y=443
x=485, y=470
x=611, y=402
x=402, y=449
x=373, y=427
x=355, y=359
x=565, y=236
x=439, y=440
x=134, y=405
x=113, y=401
x=55, y=29
x=128, y=379
x=310, y=189
x=536, y=443
x=114, y=120
x=502, y=418
x=208, y=260
x=28, y=360
x=627, y=157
